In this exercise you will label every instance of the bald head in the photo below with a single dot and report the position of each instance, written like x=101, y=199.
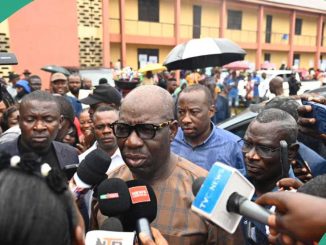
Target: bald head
x=276, y=86
x=149, y=98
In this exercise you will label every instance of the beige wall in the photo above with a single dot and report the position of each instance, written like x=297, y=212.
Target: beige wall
x=132, y=59
x=248, y=32
x=306, y=60
x=115, y=52
x=308, y=32
x=280, y=26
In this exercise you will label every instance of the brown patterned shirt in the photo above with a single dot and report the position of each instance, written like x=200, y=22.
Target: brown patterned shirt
x=175, y=220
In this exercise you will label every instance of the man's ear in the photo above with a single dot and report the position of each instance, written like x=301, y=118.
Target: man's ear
x=61, y=120
x=173, y=129
x=211, y=111
x=293, y=151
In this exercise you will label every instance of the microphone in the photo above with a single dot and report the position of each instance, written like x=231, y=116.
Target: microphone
x=92, y=170
x=224, y=197
x=143, y=208
x=112, y=224
x=113, y=197
x=109, y=237
x=110, y=233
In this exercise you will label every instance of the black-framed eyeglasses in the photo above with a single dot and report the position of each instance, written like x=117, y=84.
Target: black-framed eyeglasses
x=144, y=130
x=261, y=150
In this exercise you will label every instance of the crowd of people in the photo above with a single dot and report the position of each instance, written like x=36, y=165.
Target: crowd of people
x=163, y=133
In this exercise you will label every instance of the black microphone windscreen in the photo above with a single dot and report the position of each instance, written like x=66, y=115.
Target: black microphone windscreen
x=113, y=197
x=197, y=184
x=112, y=224
x=143, y=204
x=92, y=170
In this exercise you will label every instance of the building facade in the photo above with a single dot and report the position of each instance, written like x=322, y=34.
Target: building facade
x=100, y=32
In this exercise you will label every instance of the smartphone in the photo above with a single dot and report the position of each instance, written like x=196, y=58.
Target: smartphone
x=284, y=158
x=304, y=164
x=70, y=170
x=319, y=113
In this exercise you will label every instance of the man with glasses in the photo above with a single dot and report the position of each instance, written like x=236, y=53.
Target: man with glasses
x=144, y=131
x=262, y=152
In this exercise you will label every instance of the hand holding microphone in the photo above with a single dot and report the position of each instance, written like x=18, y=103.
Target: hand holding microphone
x=90, y=172
x=114, y=200
x=225, y=194
x=159, y=239
x=133, y=203
x=143, y=208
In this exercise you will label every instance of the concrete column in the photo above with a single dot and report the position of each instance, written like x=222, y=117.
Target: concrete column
x=260, y=21
x=123, y=33
x=177, y=12
x=291, y=38
x=318, y=41
x=223, y=17
x=106, y=33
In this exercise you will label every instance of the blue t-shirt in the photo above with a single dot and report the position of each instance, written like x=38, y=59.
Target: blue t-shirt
x=234, y=91
x=256, y=81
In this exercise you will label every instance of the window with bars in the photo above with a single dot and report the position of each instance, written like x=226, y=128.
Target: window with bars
x=234, y=19
x=149, y=10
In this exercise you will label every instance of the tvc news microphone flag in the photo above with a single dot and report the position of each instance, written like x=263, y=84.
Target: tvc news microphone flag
x=211, y=200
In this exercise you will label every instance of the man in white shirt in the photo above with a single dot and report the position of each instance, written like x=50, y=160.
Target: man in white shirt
x=264, y=87
x=102, y=119
x=75, y=90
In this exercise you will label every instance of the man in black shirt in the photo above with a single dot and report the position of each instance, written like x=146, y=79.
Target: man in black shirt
x=40, y=121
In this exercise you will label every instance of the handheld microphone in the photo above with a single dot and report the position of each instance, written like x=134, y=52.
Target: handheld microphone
x=143, y=208
x=112, y=224
x=109, y=237
x=224, y=197
x=111, y=232
x=92, y=170
x=113, y=197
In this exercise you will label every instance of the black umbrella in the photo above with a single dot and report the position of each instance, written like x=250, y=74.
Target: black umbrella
x=204, y=52
x=54, y=69
x=8, y=59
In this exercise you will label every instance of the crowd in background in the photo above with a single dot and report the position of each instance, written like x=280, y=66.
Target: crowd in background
x=164, y=131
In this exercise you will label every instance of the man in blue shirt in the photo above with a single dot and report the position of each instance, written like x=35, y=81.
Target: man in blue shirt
x=232, y=89
x=256, y=81
x=198, y=139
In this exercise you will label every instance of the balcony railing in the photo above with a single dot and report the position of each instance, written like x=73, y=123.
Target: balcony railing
x=160, y=29
x=143, y=28
x=187, y=31
x=245, y=36
x=304, y=40
x=275, y=38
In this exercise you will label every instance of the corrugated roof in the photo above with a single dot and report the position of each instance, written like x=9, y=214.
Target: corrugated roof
x=317, y=6
x=311, y=4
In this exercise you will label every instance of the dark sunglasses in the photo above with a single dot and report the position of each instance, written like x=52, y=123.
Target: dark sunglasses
x=144, y=130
